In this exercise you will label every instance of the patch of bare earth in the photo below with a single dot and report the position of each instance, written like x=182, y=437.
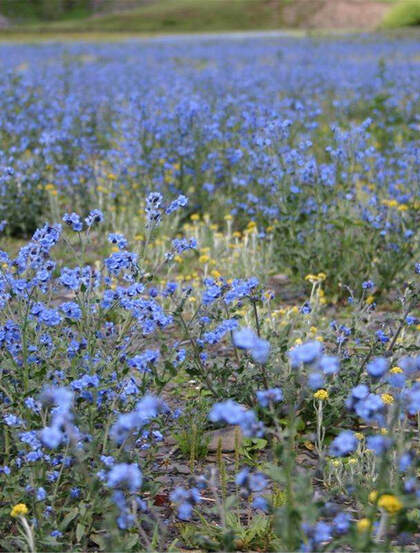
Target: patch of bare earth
x=335, y=14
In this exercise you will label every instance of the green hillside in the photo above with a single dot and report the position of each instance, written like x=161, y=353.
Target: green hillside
x=168, y=16
x=176, y=15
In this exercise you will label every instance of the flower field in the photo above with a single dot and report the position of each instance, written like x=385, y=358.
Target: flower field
x=209, y=295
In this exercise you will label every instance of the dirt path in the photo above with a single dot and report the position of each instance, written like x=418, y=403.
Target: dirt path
x=335, y=14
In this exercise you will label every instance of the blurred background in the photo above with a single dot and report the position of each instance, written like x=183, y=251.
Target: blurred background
x=172, y=16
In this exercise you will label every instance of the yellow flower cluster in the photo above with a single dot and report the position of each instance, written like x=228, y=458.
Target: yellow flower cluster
x=363, y=525
x=322, y=395
x=316, y=278
x=396, y=370
x=51, y=188
x=390, y=503
x=388, y=399
x=19, y=510
x=394, y=203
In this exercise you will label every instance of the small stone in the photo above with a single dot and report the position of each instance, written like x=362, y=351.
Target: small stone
x=227, y=436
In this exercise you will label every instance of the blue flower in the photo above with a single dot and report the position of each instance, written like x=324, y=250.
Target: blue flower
x=405, y=462
x=377, y=367
x=73, y=220
x=381, y=336
x=51, y=436
x=344, y=444
x=341, y=523
x=371, y=408
x=231, y=412
x=329, y=364
x=273, y=395
x=378, y=444
x=322, y=532
x=182, y=244
x=75, y=493
x=185, y=500
x=119, y=239
x=41, y=494
x=245, y=338
x=305, y=354
x=95, y=216
x=316, y=380
x=71, y=310
x=125, y=476
x=260, y=503
x=181, y=201
x=153, y=207
x=412, y=399
x=12, y=420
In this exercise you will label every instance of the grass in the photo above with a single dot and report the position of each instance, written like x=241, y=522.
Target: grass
x=175, y=16
x=404, y=14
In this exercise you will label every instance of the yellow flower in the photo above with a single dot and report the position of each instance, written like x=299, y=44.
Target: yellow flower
x=195, y=217
x=228, y=217
x=363, y=525
x=215, y=274
x=402, y=207
x=313, y=330
x=370, y=299
x=396, y=370
x=322, y=395
x=373, y=496
x=298, y=341
x=19, y=510
x=384, y=431
x=359, y=436
x=352, y=461
x=387, y=398
x=319, y=338
x=390, y=503
x=204, y=259
x=391, y=203
x=322, y=276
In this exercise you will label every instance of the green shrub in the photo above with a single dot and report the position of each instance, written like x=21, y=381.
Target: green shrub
x=404, y=14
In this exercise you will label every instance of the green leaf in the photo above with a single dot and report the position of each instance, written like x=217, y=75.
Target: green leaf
x=99, y=540
x=132, y=541
x=68, y=518
x=80, y=531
